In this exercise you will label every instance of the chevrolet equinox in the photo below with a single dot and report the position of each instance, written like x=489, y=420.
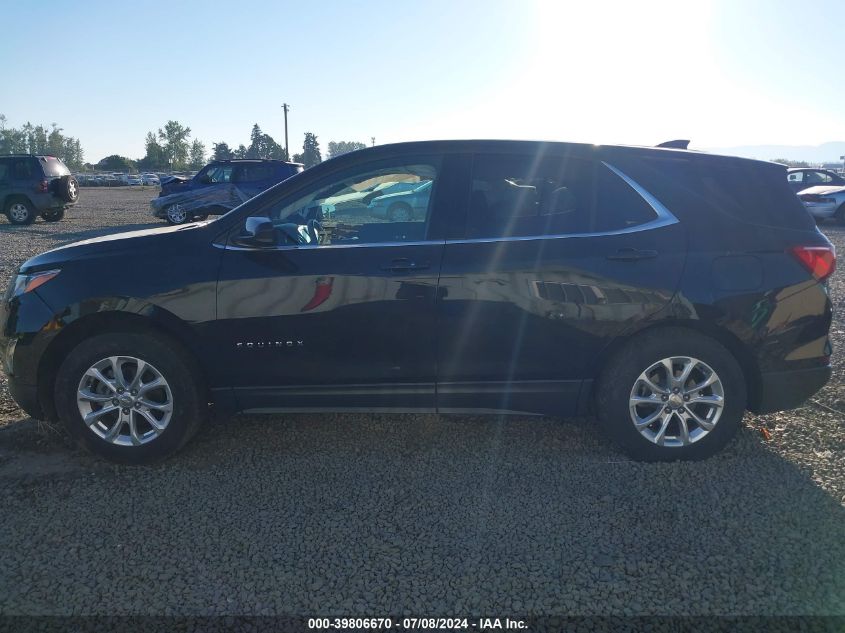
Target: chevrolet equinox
x=662, y=290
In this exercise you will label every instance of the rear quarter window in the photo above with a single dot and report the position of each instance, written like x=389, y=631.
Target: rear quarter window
x=749, y=191
x=53, y=167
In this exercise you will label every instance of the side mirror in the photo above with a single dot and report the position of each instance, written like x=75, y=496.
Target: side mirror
x=258, y=231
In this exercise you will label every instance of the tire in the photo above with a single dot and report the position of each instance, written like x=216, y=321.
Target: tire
x=183, y=392
x=200, y=218
x=840, y=214
x=54, y=215
x=176, y=215
x=621, y=380
x=400, y=212
x=20, y=211
x=66, y=188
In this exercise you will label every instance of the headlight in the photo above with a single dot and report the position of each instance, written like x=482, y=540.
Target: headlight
x=28, y=283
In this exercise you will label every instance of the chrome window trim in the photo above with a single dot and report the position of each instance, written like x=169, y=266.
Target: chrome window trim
x=311, y=247
x=664, y=218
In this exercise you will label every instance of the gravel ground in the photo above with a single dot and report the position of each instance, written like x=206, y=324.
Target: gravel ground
x=418, y=515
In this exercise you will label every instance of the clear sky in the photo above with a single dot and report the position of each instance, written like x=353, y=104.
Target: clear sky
x=723, y=73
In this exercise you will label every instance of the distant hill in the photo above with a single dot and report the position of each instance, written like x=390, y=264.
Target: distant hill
x=824, y=153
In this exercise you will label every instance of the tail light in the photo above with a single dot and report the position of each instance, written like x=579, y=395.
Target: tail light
x=819, y=260
x=814, y=197
x=44, y=186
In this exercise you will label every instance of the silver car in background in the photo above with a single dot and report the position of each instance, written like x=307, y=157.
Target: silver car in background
x=825, y=202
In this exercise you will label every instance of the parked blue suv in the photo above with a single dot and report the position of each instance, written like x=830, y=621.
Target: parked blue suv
x=218, y=188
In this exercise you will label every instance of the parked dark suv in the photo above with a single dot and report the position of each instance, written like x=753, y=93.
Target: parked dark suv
x=35, y=185
x=656, y=288
x=217, y=188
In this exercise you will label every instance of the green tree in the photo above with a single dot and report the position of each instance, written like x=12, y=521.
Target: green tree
x=311, y=151
x=174, y=138
x=115, y=163
x=156, y=157
x=791, y=163
x=221, y=151
x=197, y=160
x=344, y=147
x=240, y=152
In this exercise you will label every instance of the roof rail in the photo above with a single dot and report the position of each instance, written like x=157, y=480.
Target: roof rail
x=677, y=144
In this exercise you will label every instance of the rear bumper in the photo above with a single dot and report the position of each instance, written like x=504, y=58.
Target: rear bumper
x=789, y=389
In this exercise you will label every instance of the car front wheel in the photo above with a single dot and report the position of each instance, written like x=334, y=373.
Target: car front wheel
x=671, y=394
x=131, y=398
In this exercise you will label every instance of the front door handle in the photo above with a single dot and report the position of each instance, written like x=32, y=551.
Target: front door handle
x=403, y=264
x=631, y=255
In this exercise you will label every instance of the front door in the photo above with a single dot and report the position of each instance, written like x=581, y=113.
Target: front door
x=561, y=254
x=339, y=312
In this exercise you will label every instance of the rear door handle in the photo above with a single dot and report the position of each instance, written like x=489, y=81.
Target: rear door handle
x=404, y=264
x=631, y=255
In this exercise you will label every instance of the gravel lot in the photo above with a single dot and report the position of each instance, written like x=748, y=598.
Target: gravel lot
x=419, y=515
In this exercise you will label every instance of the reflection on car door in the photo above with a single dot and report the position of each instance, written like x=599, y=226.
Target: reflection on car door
x=560, y=255
x=338, y=326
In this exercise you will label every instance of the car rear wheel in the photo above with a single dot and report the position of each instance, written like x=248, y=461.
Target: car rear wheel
x=53, y=215
x=20, y=211
x=131, y=398
x=400, y=212
x=671, y=394
x=176, y=214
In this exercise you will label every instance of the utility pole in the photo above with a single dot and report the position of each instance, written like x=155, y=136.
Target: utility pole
x=373, y=139
x=286, y=107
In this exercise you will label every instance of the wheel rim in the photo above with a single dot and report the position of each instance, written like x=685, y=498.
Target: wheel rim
x=177, y=214
x=677, y=401
x=19, y=212
x=72, y=189
x=400, y=214
x=125, y=401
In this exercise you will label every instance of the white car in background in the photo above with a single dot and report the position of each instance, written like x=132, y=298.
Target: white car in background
x=131, y=179
x=150, y=179
x=825, y=202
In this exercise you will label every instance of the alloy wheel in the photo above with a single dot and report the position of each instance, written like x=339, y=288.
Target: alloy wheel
x=18, y=212
x=677, y=401
x=125, y=400
x=177, y=214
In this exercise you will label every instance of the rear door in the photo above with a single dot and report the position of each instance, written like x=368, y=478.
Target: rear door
x=560, y=255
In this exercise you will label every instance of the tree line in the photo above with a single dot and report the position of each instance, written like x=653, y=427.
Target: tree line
x=37, y=139
x=168, y=148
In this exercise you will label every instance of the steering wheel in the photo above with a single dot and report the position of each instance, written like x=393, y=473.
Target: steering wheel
x=314, y=228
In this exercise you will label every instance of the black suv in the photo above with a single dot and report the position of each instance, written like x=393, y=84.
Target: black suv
x=218, y=187
x=35, y=185
x=655, y=288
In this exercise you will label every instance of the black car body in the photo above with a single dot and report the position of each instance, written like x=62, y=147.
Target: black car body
x=544, y=278
x=35, y=185
x=801, y=178
x=218, y=187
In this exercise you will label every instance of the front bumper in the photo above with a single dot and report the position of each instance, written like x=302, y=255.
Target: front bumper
x=789, y=389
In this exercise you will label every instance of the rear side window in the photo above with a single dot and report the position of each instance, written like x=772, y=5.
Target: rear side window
x=53, y=167
x=22, y=169
x=254, y=173
x=521, y=196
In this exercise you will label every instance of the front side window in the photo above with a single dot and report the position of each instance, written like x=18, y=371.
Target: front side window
x=521, y=196
x=217, y=173
x=364, y=206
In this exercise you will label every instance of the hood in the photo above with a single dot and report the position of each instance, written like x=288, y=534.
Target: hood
x=823, y=189
x=156, y=241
